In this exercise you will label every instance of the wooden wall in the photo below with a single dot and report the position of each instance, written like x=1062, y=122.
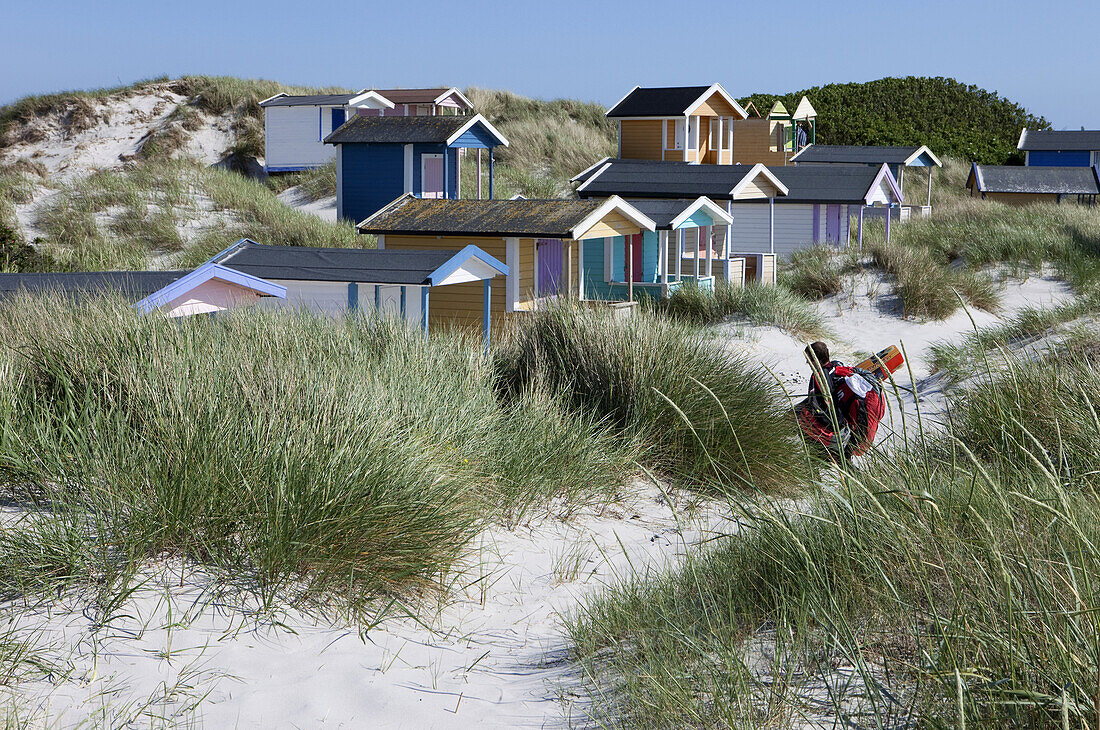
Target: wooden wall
x=641, y=139
x=752, y=143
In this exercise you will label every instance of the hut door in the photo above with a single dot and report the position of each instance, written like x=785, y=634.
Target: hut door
x=832, y=223
x=339, y=116
x=431, y=176
x=550, y=265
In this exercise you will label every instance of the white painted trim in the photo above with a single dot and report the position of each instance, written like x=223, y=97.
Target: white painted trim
x=364, y=95
x=621, y=100
x=1020, y=144
x=511, y=258
x=751, y=175
x=716, y=88
x=455, y=92
x=608, y=267
x=424, y=158
x=588, y=169
x=595, y=175
x=580, y=267
x=703, y=203
x=920, y=150
x=270, y=98
x=409, y=169
x=799, y=113
x=474, y=120
x=614, y=203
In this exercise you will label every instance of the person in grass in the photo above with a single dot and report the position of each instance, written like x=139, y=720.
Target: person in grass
x=857, y=397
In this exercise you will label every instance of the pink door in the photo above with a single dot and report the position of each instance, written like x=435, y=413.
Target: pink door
x=431, y=176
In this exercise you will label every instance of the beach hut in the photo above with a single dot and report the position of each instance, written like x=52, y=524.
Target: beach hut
x=541, y=241
x=1050, y=148
x=421, y=102
x=652, y=263
x=897, y=158
x=418, y=286
x=820, y=203
x=208, y=289
x=295, y=126
x=1018, y=185
x=705, y=244
x=677, y=123
x=380, y=158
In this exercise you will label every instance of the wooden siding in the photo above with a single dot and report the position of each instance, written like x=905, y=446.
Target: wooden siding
x=715, y=106
x=758, y=188
x=641, y=139
x=794, y=227
x=752, y=143
x=371, y=176
x=613, y=224
x=292, y=136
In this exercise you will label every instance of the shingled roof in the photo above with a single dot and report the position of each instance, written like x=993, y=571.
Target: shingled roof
x=656, y=179
x=830, y=183
x=863, y=155
x=419, y=96
x=667, y=101
x=443, y=129
x=494, y=218
x=1046, y=139
x=302, y=263
x=309, y=100
x=1034, y=179
x=130, y=284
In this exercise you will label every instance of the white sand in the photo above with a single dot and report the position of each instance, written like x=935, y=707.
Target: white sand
x=495, y=656
x=124, y=120
x=323, y=208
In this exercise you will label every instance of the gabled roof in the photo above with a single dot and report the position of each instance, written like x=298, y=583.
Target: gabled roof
x=1048, y=139
x=203, y=274
x=422, y=96
x=309, y=100
x=849, y=184
x=1034, y=179
x=804, y=110
x=130, y=284
x=655, y=179
x=365, y=265
x=669, y=101
x=568, y=219
x=443, y=129
x=671, y=214
x=779, y=111
x=868, y=154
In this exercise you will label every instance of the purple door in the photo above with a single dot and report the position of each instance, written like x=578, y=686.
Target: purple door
x=431, y=176
x=549, y=255
x=832, y=223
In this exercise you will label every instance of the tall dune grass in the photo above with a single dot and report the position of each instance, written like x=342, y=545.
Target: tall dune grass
x=946, y=583
x=298, y=457
x=702, y=416
x=757, y=304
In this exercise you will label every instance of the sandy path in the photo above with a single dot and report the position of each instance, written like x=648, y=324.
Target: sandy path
x=494, y=656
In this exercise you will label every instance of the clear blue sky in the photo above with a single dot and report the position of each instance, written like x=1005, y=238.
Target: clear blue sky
x=1040, y=54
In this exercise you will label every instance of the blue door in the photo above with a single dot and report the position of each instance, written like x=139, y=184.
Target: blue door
x=339, y=116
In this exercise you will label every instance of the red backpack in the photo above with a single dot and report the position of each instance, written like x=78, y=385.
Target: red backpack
x=859, y=399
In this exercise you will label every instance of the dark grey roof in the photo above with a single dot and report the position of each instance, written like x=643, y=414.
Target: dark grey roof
x=655, y=179
x=825, y=183
x=652, y=179
x=130, y=284
x=855, y=154
x=661, y=211
x=1034, y=179
x=310, y=100
x=520, y=217
x=397, y=130
x=412, y=96
x=662, y=101
x=303, y=263
x=1045, y=139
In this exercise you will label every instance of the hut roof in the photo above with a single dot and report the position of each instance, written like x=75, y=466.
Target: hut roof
x=442, y=129
x=1034, y=179
x=1047, y=139
x=865, y=154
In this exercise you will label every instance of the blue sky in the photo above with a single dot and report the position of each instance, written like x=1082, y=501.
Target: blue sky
x=1041, y=55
